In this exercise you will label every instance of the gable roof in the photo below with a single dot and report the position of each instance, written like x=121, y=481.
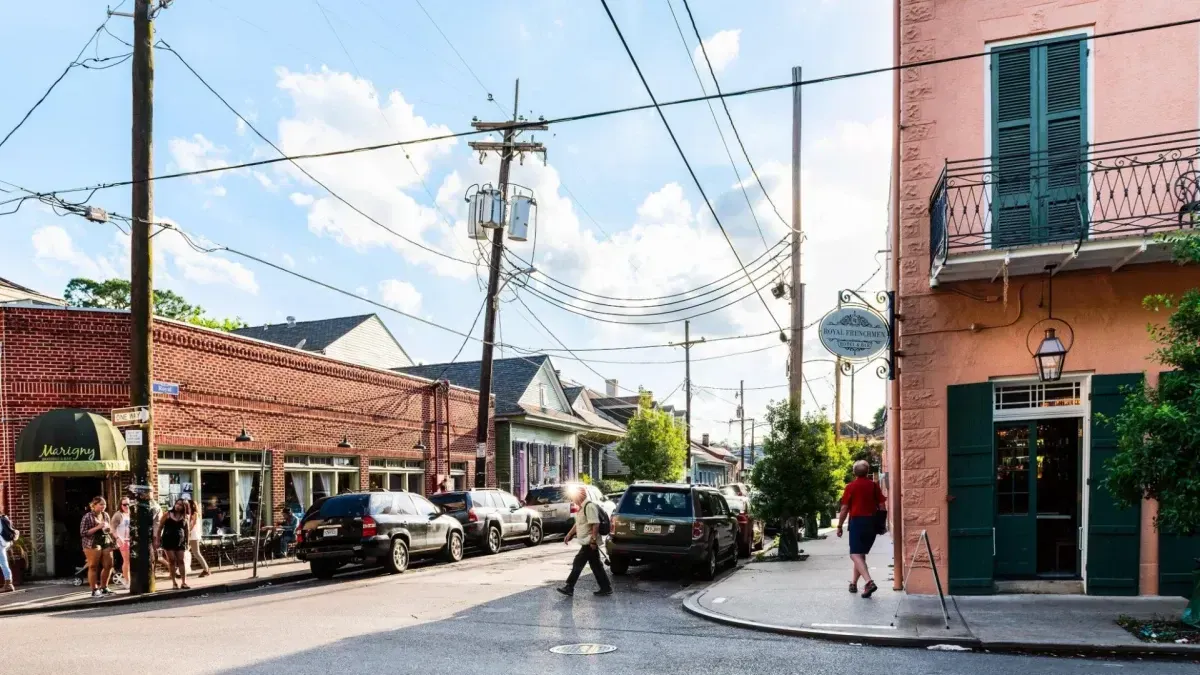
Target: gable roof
x=313, y=336
x=11, y=291
x=510, y=378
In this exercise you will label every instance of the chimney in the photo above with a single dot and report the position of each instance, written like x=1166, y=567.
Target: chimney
x=558, y=373
x=291, y=321
x=704, y=440
x=611, y=389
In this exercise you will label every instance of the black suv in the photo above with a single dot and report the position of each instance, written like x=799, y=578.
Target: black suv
x=490, y=517
x=673, y=523
x=385, y=528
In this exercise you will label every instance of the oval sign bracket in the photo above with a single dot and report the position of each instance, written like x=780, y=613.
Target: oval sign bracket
x=857, y=331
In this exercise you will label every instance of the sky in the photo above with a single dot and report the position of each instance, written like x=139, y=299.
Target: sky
x=618, y=214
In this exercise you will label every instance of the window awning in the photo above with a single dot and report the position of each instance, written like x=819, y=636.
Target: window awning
x=70, y=440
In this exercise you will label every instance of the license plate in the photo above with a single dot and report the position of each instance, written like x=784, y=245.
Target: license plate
x=652, y=529
x=329, y=532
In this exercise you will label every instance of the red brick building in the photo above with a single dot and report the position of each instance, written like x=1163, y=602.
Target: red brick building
x=326, y=426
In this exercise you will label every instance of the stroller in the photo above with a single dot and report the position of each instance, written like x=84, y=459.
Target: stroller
x=81, y=577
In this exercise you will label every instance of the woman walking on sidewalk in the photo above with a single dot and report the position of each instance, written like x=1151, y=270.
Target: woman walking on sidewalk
x=172, y=539
x=8, y=534
x=861, y=500
x=120, y=527
x=194, y=537
x=95, y=532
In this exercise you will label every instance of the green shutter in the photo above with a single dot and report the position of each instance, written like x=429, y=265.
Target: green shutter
x=1114, y=535
x=1012, y=142
x=1176, y=553
x=971, y=488
x=1062, y=143
x=504, y=456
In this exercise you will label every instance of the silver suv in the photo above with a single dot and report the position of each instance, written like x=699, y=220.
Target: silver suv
x=557, y=508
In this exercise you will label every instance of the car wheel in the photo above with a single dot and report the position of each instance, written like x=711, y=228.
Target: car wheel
x=535, y=534
x=397, y=560
x=494, y=540
x=619, y=565
x=709, y=571
x=323, y=569
x=454, y=547
x=743, y=549
x=731, y=560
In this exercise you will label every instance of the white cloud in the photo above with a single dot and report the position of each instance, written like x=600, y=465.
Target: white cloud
x=362, y=291
x=53, y=248
x=264, y=180
x=203, y=268
x=288, y=260
x=218, y=191
x=722, y=49
x=400, y=295
x=196, y=153
x=301, y=199
x=240, y=126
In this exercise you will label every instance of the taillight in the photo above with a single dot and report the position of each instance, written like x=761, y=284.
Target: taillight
x=299, y=536
x=472, y=516
x=616, y=522
x=742, y=519
x=369, y=528
x=697, y=529
x=574, y=508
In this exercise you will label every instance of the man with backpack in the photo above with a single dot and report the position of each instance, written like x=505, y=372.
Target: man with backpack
x=8, y=534
x=591, y=523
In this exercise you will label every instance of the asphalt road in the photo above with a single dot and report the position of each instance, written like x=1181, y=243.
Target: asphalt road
x=485, y=615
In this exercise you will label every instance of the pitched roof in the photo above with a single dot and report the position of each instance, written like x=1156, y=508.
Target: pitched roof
x=510, y=378
x=11, y=291
x=313, y=336
x=573, y=393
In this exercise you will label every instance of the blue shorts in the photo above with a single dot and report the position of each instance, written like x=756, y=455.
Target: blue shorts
x=862, y=534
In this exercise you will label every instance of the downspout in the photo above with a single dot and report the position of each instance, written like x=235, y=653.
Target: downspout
x=893, y=416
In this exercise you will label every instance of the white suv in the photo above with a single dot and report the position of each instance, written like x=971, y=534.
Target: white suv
x=557, y=507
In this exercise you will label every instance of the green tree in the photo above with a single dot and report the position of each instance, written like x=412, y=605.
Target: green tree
x=1158, y=428
x=800, y=472
x=880, y=418
x=115, y=294
x=654, y=447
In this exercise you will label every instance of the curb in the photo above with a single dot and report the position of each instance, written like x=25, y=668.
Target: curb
x=691, y=604
x=161, y=596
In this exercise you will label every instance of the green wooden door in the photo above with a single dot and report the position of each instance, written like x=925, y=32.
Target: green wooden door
x=1016, y=499
x=1114, y=535
x=971, y=488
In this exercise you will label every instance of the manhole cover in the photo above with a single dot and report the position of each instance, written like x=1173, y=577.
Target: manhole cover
x=583, y=649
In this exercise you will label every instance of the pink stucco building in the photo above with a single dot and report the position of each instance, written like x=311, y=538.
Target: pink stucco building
x=1044, y=167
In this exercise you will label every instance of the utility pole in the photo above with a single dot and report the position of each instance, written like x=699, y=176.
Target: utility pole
x=507, y=149
x=837, y=401
x=687, y=344
x=796, y=370
x=741, y=411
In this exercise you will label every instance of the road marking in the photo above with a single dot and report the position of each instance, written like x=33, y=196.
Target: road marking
x=586, y=649
x=719, y=601
x=852, y=625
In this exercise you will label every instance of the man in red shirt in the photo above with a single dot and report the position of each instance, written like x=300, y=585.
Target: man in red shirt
x=860, y=501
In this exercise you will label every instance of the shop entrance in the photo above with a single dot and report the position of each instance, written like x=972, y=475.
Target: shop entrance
x=69, y=497
x=1038, y=498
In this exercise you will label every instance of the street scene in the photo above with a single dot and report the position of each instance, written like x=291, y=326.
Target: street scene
x=611, y=336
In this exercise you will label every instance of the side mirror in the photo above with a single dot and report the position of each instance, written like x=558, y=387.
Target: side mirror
x=513, y=509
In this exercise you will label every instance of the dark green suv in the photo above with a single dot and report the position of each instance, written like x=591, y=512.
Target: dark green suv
x=673, y=523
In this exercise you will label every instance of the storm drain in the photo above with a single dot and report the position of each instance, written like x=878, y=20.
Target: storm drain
x=585, y=649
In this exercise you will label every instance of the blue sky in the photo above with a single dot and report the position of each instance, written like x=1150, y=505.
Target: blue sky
x=647, y=232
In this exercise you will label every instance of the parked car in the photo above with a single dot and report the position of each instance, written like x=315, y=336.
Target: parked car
x=673, y=523
x=557, y=508
x=736, y=490
x=749, y=529
x=387, y=528
x=490, y=517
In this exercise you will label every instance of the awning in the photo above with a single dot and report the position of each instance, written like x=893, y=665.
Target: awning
x=71, y=441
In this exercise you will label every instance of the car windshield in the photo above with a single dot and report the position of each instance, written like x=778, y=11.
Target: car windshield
x=656, y=502
x=545, y=495
x=736, y=505
x=451, y=501
x=346, y=506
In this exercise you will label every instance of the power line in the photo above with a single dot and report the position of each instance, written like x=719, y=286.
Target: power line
x=460, y=56
x=686, y=163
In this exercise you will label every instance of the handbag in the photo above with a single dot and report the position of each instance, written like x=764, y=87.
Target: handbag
x=881, y=521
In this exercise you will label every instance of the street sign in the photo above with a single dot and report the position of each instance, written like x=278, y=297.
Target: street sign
x=133, y=437
x=128, y=417
x=168, y=388
x=854, y=332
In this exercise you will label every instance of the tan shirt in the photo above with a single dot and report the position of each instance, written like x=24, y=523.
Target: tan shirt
x=585, y=517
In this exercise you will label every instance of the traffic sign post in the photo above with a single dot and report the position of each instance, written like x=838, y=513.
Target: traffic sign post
x=130, y=417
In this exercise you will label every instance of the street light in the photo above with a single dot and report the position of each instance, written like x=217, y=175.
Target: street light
x=345, y=444
x=1050, y=356
x=262, y=470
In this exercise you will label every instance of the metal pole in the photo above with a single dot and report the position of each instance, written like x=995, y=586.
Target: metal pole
x=742, y=417
x=489, y=323
x=893, y=416
x=687, y=381
x=837, y=401
x=796, y=374
x=262, y=471
x=853, y=428
x=141, y=304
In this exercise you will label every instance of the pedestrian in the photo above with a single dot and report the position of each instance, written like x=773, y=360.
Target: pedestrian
x=287, y=533
x=861, y=499
x=172, y=538
x=8, y=534
x=95, y=533
x=587, y=530
x=194, y=538
x=120, y=526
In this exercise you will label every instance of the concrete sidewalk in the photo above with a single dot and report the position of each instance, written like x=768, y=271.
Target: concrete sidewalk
x=59, y=595
x=811, y=599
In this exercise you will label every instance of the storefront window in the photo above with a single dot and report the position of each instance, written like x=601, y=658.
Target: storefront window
x=398, y=475
x=174, y=485
x=225, y=486
x=309, y=479
x=347, y=482
x=215, y=509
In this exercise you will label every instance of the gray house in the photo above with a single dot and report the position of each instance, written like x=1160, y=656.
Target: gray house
x=363, y=340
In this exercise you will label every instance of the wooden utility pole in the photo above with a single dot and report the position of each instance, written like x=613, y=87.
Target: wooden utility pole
x=687, y=344
x=796, y=362
x=507, y=149
x=741, y=411
x=141, y=300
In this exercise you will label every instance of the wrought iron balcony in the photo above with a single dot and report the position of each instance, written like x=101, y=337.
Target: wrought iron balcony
x=1091, y=206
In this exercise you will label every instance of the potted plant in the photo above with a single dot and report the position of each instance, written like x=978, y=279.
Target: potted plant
x=18, y=554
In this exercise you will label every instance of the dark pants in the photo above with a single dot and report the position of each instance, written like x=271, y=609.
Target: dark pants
x=588, y=556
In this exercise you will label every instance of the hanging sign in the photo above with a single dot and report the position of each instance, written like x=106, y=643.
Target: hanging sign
x=854, y=332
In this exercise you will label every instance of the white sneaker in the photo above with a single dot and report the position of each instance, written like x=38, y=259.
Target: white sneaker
x=97, y=594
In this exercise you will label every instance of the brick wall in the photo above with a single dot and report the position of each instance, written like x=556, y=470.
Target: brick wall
x=289, y=401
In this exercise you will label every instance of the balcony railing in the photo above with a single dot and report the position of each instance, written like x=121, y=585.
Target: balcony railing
x=1133, y=187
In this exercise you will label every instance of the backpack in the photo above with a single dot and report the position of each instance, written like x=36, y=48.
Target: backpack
x=604, y=524
x=7, y=532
